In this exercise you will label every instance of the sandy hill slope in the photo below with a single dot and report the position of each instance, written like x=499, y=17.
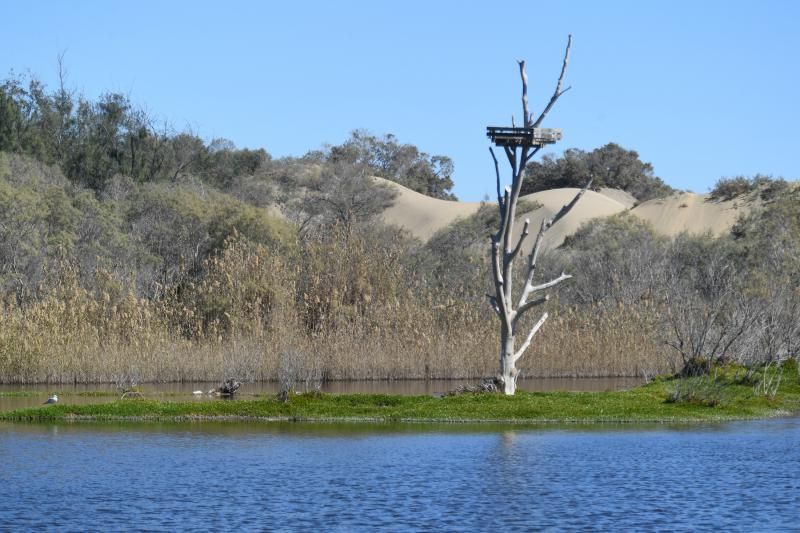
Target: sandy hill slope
x=423, y=216
x=592, y=205
x=695, y=213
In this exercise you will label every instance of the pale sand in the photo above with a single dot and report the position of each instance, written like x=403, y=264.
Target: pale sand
x=423, y=216
x=692, y=213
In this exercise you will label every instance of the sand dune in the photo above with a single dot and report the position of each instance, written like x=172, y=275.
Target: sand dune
x=592, y=205
x=423, y=216
x=693, y=213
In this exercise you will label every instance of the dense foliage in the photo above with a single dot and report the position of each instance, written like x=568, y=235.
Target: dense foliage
x=609, y=166
x=730, y=188
x=713, y=298
x=403, y=163
x=93, y=141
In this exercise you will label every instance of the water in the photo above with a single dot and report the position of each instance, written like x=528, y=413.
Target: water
x=732, y=477
x=77, y=394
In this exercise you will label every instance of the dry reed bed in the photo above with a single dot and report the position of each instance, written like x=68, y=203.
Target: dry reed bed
x=340, y=313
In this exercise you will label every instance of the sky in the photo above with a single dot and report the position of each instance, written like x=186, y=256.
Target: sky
x=701, y=89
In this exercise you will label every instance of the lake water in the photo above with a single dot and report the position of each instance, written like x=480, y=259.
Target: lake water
x=742, y=476
x=77, y=394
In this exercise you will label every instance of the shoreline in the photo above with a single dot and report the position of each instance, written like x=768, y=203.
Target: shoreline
x=190, y=419
x=726, y=400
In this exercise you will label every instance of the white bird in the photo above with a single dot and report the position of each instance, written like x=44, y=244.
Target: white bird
x=52, y=399
x=197, y=392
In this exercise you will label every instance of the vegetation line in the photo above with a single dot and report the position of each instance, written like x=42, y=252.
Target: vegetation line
x=725, y=395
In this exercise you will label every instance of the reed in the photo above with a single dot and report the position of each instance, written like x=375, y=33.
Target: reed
x=336, y=310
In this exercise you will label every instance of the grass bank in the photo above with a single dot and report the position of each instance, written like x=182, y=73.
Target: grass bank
x=729, y=394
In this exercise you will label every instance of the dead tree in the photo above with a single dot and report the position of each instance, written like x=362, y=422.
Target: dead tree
x=520, y=145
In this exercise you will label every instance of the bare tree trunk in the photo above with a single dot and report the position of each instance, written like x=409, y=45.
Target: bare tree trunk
x=504, y=248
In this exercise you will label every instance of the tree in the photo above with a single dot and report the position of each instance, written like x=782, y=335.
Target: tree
x=505, y=251
x=620, y=259
x=610, y=166
x=402, y=163
x=345, y=196
x=709, y=312
x=9, y=119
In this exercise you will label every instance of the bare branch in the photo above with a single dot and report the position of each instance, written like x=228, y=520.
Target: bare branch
x=526, y=117
x=532, y=265
x=512, y=160
x=504, y=222
x=62, y=74
x=549, y=284
x=497, y=173
x=507, y=228
x=568, y=207
x=519, y=176
x=524, y=234
x=498, y=275
x=558, y=92
x=529, y=338
x=530, y=156
x=530, y=305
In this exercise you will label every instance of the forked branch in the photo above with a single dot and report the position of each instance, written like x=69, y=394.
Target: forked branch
x=529, y=288
x=558, y=92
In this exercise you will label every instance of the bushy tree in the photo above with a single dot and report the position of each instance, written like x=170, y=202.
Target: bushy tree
x=93, y=141
x=610, y=166
x=730, y=188
x=620, y=259
x=403, y=163
x=344, y=195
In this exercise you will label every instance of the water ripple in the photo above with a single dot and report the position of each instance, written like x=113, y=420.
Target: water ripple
x=739, y=476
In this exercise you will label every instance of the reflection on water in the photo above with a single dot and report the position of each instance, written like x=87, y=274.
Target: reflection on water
x=737, y=476
x=81, y=394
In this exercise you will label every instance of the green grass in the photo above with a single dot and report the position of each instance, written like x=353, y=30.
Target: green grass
x=722, y=396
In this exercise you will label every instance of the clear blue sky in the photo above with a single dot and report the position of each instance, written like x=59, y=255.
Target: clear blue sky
x=701, y=89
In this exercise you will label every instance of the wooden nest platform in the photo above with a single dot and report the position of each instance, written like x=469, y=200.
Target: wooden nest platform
x=514, y=137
